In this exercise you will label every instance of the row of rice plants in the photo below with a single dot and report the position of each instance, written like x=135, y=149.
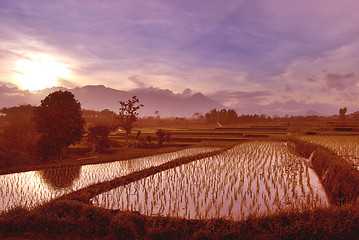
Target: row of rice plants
x=32, y=188
x=251, y=179
x=346, y=146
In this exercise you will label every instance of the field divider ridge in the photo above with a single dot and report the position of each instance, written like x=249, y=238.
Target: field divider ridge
x=339, y=178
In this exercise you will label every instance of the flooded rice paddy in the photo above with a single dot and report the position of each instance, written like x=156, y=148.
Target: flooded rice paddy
x=29, y=189
x=255, y=178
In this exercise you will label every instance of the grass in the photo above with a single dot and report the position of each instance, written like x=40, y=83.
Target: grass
x=339, y=178
x=64, y=219
x=345, y=146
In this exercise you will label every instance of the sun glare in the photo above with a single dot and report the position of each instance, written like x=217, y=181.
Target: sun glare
x=39, y=72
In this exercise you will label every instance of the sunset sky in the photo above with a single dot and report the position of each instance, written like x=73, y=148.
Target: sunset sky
x=265, y=56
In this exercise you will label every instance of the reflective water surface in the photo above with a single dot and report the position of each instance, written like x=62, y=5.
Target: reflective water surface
x=36, y=187
x=251, y=179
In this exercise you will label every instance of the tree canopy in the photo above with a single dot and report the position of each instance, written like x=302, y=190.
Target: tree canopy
x=161, y=136
x=128, y=114
x=222, y=116
x=59, y=120
x=18, y=130
x=98, y=136
x=342, y=112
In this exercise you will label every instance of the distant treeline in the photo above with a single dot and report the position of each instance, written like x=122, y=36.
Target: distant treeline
x=18, y=131
x=230, y=116
x=214, y=116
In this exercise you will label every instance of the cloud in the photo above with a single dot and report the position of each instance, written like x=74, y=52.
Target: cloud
x=66, y=83
x=274, y=49
x=262, y=102
x=288, y=89
x=224, y=94
x=7, y=84
x=159, y=91
x=310, y=79
x=247, y=101
x=340, y=82
x=290, y=107
x=293, y=107
x=137, y=80
x=12, y=96
x=329, y=78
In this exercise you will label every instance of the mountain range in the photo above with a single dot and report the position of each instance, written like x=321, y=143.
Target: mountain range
x=99, y=97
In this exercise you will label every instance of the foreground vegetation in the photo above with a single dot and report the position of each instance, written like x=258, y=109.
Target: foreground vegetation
x=64, y=219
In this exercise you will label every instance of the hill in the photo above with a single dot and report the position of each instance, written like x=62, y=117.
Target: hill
x=99, y=97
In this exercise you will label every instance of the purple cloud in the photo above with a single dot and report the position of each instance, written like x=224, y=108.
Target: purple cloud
x=340, y=82
x=207, y=46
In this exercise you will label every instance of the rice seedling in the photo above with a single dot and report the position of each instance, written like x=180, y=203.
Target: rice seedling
x=30, y=189
x=346, y=146
x=233, y=185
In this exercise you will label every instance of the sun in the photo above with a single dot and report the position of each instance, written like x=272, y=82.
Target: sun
x=39, y=72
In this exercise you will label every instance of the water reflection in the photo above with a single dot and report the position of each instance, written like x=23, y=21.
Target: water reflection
x=250, y=179
x=36, y=187
x=61, y=177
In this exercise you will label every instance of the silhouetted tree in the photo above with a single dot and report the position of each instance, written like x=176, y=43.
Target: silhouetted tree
x=212, y=116
x=128, y=114
x=222, y=116
x=198, y=117
x=18, y=129
x=149, y=139
x=355, y=115
x=232, y=116
x=342, y=112
x=161, y=136
x=138, y=135
x=60, y=122
x=98, y=136
x=140, y=139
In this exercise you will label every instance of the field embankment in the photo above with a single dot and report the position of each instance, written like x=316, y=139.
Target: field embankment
x=64, y=219
x=339, y=178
